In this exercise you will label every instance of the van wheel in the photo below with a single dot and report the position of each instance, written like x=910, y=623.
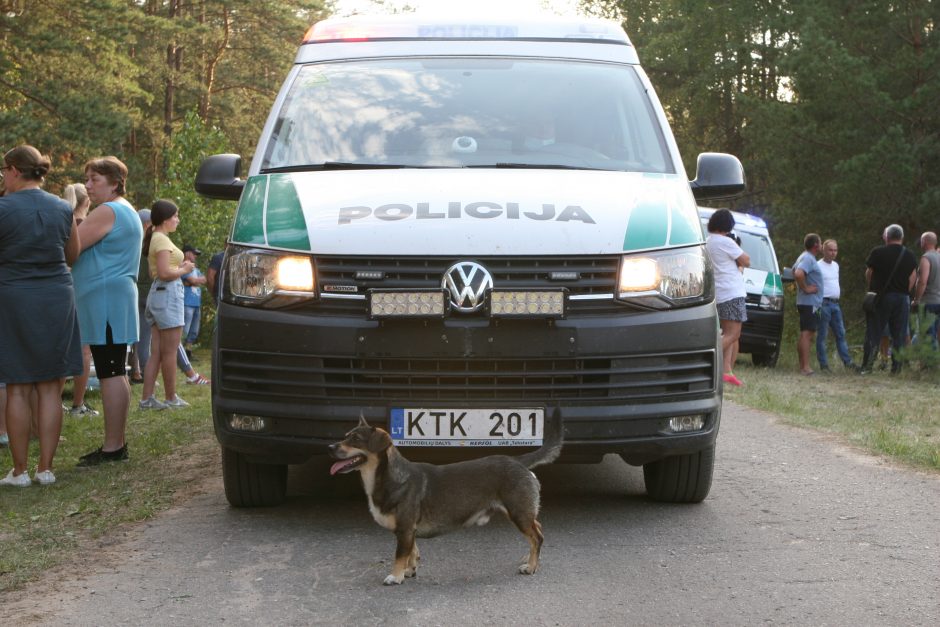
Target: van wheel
x=680, y=478
x=766, y=360
x=252, y=485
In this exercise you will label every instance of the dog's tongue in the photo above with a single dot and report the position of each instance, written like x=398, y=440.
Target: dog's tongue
x=335, y=468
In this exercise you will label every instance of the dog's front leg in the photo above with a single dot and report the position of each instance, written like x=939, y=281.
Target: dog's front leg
x=403, y=553
x=412, y=569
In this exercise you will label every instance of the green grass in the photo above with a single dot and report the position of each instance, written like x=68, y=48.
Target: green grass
x=887, y=415
x=41, y=527
x=890, y=415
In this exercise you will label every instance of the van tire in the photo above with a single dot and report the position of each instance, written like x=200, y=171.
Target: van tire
x=766, y=360
x=252, y=485
x=680, y=478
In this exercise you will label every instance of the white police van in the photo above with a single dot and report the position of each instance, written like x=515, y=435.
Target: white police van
x=454, y=228
x=762, y=334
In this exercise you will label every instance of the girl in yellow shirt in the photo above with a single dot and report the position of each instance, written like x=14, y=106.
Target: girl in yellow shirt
x=164, y=311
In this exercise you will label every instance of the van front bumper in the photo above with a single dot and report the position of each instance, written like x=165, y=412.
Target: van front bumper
x=617, y=379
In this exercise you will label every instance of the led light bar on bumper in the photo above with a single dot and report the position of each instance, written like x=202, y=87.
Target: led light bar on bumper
x=527, y=304
x=666, y=279
x=405, y=304
x=269, y=278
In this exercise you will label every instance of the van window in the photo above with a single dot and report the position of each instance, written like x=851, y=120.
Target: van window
x=465, y=112
x=758, y=249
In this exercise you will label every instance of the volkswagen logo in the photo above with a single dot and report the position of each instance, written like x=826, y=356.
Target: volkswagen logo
x=467, y=282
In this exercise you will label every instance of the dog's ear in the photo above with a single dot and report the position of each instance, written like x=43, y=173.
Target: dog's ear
x=380, y=440
x=362, y=420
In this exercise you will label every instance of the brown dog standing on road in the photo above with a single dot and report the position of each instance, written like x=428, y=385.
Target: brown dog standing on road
x=424, y=500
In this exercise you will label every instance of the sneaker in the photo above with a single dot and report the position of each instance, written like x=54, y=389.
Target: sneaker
x=176, y=403
x=151, y=403
x=82, y=410
x=825, y=369
x=99, y=457
x=44, y=478
x=198, y=379
x=730, y=378
x=20, y=481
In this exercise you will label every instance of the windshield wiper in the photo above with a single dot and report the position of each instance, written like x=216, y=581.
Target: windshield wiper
x=336, y=165
x=533, y=166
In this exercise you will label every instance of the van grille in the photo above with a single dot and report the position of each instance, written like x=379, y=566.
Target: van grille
x=604, y=379
x=596, y=276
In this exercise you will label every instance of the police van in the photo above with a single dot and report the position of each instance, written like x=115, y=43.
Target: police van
x=762, y=333
x=456, y=228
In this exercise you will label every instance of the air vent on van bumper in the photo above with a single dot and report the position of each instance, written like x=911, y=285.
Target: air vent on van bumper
x=633, y=379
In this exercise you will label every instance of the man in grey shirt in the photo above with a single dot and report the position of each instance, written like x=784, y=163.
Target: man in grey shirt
x=809, y=297
x=928, y=282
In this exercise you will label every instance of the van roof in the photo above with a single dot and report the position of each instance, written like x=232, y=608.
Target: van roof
x=410, y=27
x=744, y=219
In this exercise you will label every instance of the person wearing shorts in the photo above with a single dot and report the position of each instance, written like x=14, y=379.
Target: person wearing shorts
x=164, y=313
x=106, y=295
x=728, y=260
x=809, y=297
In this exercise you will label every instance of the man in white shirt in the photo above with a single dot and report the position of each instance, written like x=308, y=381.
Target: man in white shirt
x=830, y=314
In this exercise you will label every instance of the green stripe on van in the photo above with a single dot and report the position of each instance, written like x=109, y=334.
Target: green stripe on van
x=286, y=226
x=773, y=286
x=249, y=219
x=646, y=228
x=686, y=228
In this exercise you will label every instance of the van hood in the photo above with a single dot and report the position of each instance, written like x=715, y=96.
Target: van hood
x=445, y=212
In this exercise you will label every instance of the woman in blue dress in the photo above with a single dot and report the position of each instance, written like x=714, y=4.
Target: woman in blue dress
x=39, y=343
x=106, y=295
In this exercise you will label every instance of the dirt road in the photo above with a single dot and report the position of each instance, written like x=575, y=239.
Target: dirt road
x=797, y=530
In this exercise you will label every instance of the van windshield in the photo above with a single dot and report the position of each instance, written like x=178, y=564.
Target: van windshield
x=758, y=249
x=458, y=112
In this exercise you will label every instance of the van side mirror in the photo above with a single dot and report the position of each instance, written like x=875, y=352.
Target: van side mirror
x=787, y=275
x=717, y=175
x=218, y=177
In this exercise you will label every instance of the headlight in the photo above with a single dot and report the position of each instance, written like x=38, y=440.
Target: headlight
x=666, y=279
x=773, y=303
x=269, y=278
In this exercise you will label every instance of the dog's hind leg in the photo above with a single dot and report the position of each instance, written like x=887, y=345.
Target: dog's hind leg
x=404, y=550
x=412, y=569
x=532, y=530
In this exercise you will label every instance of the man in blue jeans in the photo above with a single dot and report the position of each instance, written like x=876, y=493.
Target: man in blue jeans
x=830, y=313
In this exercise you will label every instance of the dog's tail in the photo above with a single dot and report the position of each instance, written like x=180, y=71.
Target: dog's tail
x=551, y=444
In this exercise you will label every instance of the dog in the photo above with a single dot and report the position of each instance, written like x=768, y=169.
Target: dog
x=418, y=500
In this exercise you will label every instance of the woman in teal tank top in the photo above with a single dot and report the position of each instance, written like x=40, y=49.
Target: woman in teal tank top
x=106, y=295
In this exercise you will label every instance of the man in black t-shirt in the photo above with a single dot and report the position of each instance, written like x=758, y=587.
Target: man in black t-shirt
x=890, y=271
